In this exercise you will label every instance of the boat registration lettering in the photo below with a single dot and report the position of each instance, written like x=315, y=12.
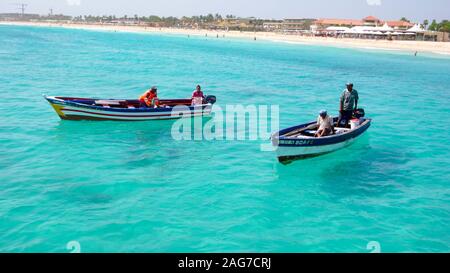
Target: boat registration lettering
x=296, y=142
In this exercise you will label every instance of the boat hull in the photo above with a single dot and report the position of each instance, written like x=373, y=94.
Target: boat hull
x=289, y=149
x=70, y=110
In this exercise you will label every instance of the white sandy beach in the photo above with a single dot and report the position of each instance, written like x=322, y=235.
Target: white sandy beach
x=406, y=46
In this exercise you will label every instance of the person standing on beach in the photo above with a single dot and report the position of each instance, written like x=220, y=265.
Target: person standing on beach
x=347, y=104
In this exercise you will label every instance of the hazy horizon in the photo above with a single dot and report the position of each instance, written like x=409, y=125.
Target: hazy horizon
x=414, y=10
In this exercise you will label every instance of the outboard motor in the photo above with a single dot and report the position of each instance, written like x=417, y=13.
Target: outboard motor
x=359, y=113
x=210, y=99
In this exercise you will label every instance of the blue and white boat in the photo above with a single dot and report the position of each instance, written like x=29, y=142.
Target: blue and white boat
x=69, y=108
x=299, y=142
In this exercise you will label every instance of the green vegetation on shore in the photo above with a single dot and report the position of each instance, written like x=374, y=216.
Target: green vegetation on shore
x=209, y=21
x=443, y=26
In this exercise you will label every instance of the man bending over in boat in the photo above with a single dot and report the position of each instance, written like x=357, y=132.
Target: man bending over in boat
x=347, y=104
x=197, y=96
x=325, y=123
x=149, y=98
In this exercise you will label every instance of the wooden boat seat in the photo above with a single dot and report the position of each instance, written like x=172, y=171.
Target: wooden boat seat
x=339, y=130
x=342, y=129
x=310, y=132
x=110, y=102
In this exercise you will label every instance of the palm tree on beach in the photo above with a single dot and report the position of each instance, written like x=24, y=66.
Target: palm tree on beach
x=405, y=20
x=425, y=23
x=433, y=26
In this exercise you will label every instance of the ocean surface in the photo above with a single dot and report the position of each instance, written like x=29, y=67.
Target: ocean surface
x=129, y=187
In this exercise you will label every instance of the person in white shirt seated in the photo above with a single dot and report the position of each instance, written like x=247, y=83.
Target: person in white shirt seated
x=325, y=124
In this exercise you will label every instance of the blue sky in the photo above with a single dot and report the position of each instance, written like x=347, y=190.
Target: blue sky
x=416, y=10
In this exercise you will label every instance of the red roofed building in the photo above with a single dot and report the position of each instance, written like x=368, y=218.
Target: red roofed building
x=338, y=22
x=401, y=25
x=371, y=21
x=322, y=24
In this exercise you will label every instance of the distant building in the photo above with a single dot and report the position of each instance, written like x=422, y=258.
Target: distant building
x=18, y=16
x=371, y=21
x=54, y=17
x=322, y=24
x=33, y=17
x=238, y=24
x=296, y=25
x=399, y=25
x=436, y=36
x=273, y=25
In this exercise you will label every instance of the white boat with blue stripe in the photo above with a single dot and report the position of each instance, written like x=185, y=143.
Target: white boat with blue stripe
x=299, y=142
x=70, y=108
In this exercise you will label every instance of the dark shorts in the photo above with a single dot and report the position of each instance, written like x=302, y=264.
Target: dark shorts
x=345, y=116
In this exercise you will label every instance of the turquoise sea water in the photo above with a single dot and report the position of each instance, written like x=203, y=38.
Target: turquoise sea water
x=129, y=187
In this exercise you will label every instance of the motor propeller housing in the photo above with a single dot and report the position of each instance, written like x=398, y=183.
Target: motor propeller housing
x=359, y=113
x=210, y=99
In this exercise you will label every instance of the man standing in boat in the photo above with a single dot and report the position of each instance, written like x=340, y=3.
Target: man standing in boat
x=348, y=104
x=149, y=98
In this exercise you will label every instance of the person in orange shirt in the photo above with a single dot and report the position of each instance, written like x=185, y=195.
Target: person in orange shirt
x=150, y=98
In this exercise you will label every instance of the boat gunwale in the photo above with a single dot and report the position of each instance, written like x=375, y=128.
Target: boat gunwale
x=62, y=101
x=314, y=141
